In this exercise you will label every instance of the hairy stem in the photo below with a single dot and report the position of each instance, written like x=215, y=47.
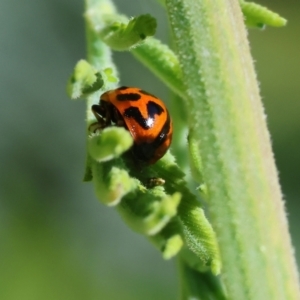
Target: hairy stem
x=226, y=113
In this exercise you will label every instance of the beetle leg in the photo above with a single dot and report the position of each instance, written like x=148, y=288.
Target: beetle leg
x=99, y=112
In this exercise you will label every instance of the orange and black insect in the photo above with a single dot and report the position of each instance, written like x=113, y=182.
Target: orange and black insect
x=144, y=115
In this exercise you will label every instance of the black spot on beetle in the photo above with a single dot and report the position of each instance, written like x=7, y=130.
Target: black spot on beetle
x=128, y=97
x=134, y=113
x=146, y=151
x=152, y=109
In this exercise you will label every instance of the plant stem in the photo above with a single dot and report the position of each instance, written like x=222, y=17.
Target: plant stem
x=226, y=113
x=98, y=53
x=198, y=285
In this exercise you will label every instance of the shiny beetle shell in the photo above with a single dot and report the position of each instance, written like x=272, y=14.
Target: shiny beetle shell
x=143, y=114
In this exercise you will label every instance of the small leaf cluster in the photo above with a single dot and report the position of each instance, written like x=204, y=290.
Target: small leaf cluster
x=169, y=215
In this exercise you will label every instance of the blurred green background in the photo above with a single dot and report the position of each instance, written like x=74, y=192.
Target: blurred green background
x=57, y=241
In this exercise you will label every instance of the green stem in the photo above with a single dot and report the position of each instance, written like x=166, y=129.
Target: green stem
x=98, y=53
x=245, y=201
x=194, y=283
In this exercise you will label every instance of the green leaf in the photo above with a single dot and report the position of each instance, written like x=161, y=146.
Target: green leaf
x=163, y=62
x=122, y=36
x=112, y=181
x=258, y=16
x=199, y=236
x=194, y=227
x=198, y=285
x=110, y=143
x=84, y=81
x=169, y=240
x=195, y=157
x=149, y=211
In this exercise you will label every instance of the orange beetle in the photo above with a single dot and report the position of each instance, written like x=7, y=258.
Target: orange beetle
x=144, y=115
